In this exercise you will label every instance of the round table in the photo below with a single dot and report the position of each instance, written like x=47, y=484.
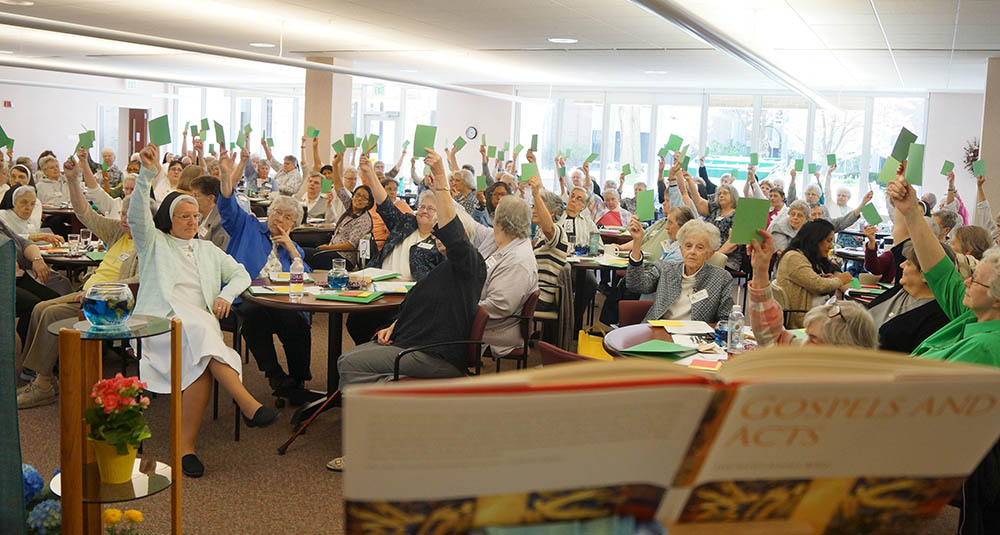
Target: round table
x=615, y=237
x=148, y=478
x=335, y=328
x=74, y=222
x=617, y=340
x=857, y=255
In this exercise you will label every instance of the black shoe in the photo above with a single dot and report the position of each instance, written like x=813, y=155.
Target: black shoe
x=264, y=417
x=191, y=466
x=279, y=380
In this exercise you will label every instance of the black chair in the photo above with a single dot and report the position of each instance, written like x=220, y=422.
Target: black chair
x=526, y=317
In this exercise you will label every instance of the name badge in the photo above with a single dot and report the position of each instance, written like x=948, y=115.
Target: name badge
x=700, y=295
x=364, y=249
x=490, y=262
x=665, y=245
x=569, y=226
x=123, y=257
x=425, y=245
x=202, y=232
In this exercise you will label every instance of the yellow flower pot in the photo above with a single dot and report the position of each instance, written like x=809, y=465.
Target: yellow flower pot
x=114, y=468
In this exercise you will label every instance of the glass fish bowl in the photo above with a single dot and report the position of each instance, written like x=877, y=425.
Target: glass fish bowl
x=108, y=305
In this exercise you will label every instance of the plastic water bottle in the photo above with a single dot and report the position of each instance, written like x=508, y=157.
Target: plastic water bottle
x=296, y=279
x=736, y=322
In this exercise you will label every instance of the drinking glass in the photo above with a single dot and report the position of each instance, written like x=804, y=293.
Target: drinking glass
x=722, y=333
x=74, y=244
x=337, y=278
x=85, y=237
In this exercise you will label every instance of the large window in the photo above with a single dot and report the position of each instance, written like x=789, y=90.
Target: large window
x=783, y=130
x=680, y=120
x=581, y=133
x=841, y=132
x=630, y=126
x=891, y=114
x=538, y=118
x=730, y=119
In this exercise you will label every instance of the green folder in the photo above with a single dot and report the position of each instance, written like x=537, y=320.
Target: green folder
x=663, y=152
x=660, y=348
x=979, y=168
x=854, y=284
x=869, y=212
x=338, y=147
x=506, y=146
x=423, y=139
x=888, y=173
x=902, y=147
x=159, y=131
x=327, y=185
x=96, y=256
x=750, y=216
x=627, y=169
x=372, y=296
x=915, y=165
x=491, y=151
x=644, y=208
x=754, y=158
x=270, y=142
x=220, y=134
x=674, y=142
x=813, y=168
x=831, y=159
x=799, y=165
x=534, y=142
x=592, y=157
x=947, y=167
x=518, y=148
x=528, y=170
x=481, y=183
x=349, y=140
x=211, y=147
x=204, y=124
x=312, y=132
x=459, y=143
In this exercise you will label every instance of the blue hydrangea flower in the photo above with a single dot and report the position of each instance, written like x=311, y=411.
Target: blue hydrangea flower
x=33, y=483
x=46, y=517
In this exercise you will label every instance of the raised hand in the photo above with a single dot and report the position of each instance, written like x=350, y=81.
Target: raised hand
x=635, y=230
x=150, y=155
x=535, y=183
x=438, y=181
x=530, y=156
x=869, y=232
x=761, y=251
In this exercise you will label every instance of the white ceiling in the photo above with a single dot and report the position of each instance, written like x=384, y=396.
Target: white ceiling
x=834, y=45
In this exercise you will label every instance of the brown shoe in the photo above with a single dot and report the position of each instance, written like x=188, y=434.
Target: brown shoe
x=30, y=395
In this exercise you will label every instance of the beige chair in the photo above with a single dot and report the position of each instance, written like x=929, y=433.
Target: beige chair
x=718, y=260
x=779, y=295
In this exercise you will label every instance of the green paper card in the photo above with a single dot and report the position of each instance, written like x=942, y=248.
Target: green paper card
x=735, y=173
x=104, y=166
x=799, y=165
x=349, y=140
x=831, y=159
x=204, y=124
x=902, y=147
x=459, y=143
x=705, y=154
x=813, y=168
x=644, y=208
x=247, y=129
x=663, y=152
x=534, y=142
x=211, y=147
x=528, y=170
x=327, y=185
x=506, y=146
x=659, y=347
x=888, y=173
x=947, y=167
x=518, y=148
x=869, y=212
x=241, y=140
x=96, y=256
x=567, y=153
x=423, y=139
x=220, y=134
x=627, y=169
x=312, y=132
x=683, y=153
x=86, y=140
x=855, y=284
x=159, y=131
x=427, y=169
x=406, y=143
x=371, y=143
x=685, y=162
x=483, y=140
x=491, y=152
x=338, y=147
x=194, y=130
x=754, y=158
x=674, y=142
x=232, y=145
x=751, y=216
x=592, y=157
x=915, y=165
x=979, y=168
x=481, y=183
x=270, y=142
x=202, y=133
x=562, y=172
x=501, y=155
x=187, y=125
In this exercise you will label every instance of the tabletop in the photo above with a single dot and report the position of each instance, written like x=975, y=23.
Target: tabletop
x=66, y=260
x=138, y=326
x=309, y=303
x=614, y=236
x=617, y=340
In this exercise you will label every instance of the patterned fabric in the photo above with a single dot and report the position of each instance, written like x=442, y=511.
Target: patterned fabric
x=401, y=225
x=351, y=229
x=288, y=182
x=664, y=278
x=550, y=256
x=767, y=318
x=468, y=202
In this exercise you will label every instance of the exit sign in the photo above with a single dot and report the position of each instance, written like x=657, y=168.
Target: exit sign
x=131, y=84
x=380, y=90
x=8, y=104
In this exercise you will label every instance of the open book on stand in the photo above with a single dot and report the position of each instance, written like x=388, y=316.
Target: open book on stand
x=800, y=440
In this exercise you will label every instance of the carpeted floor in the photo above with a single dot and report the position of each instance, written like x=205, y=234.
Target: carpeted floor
x=247, y=487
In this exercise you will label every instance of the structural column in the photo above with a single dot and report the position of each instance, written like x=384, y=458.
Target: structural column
x=990, y=141
x=327, y=105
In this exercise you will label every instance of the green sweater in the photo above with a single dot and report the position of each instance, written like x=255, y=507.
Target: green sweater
x=963, y=339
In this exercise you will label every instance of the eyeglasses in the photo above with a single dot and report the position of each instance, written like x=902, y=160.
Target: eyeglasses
x=427, y=208
x=188, y=217
x=972, y=280
x=283, y=215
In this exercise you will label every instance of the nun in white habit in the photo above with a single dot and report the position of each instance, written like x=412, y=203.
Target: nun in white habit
x=181, y=276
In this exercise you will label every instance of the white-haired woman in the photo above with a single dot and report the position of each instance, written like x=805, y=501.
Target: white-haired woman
x=843, y=323
x=614, y=215
x=21, y=212
x=720, y=214
x=288, y=177
x=688, y=290
x=511, y=274
x=181, y=276
x=51, y=185
x=784, y=228
x=463, y=189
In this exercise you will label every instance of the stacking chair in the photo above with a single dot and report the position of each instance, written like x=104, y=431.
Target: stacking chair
x=526, y=317
x=473, y=352
x=631, y=312
x=552, y=355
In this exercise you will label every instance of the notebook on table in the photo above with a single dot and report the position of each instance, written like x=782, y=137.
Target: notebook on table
x=351, y=296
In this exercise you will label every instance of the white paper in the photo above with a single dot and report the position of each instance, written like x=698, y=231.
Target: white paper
x=690, y=327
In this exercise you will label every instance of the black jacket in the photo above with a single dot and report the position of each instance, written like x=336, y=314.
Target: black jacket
x=906, y=331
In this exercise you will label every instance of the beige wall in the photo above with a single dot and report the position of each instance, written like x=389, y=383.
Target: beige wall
x=990, y=148
x=458, y=111
x=327, y=106
x=953, y=119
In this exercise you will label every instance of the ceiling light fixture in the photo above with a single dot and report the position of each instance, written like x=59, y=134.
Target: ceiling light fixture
x=24, y=3
x=562, y=40
x=6, y=51
x=262, y=45
x=672, y=12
